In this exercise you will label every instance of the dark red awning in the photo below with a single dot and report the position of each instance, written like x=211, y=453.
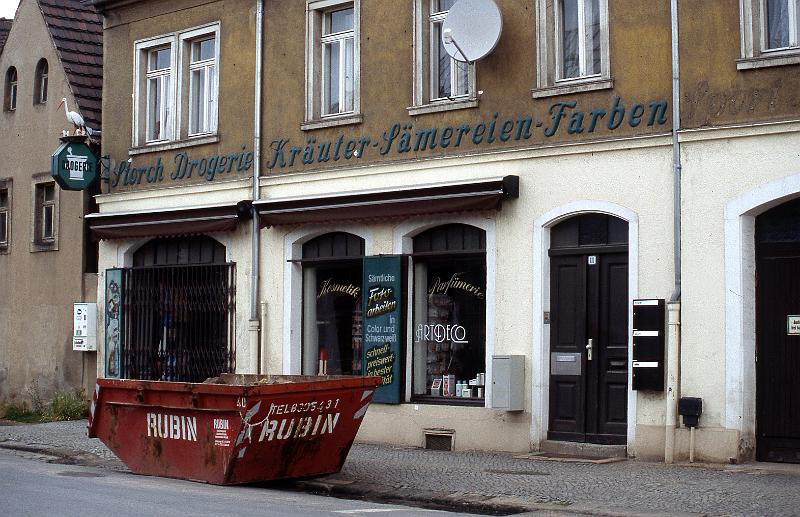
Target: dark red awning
x=166, y=223
x=387, y=204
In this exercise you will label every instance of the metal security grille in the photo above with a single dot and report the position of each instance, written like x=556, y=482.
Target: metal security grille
x=439, y=441
x=179, y=322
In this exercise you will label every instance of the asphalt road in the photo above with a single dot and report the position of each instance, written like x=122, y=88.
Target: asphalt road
x=31, y=487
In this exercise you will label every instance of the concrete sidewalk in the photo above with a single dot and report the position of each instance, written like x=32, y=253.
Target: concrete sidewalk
x=494, y=483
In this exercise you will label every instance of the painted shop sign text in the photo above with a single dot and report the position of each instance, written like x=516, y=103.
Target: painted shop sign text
x=564, y=116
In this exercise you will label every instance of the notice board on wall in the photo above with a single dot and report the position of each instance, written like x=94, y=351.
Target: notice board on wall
x=383, y=324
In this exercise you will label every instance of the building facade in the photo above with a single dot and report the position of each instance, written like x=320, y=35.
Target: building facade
x=475, y=233
x=47, y=262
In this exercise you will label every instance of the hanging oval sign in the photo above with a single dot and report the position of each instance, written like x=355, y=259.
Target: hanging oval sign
x=74, y=166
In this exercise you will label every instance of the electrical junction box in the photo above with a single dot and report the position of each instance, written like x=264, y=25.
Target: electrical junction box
x=649, y=328
x=84, y=327
x=508, y=382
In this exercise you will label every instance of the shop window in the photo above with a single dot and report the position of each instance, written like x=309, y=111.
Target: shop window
x=10, y=102
x=333, y=63
x=176, y=91
x=40, y=86
x=45, y=217
x=770, y=33
x=332, y=319
x=178, y=311
x=449, y=313
x=5, y=215
x=573, y=48
x=441, y=82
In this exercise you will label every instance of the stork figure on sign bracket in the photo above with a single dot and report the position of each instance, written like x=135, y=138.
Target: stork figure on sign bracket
x=77, y=120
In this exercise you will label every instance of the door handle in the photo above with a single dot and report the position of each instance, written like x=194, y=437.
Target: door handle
x=589, y=347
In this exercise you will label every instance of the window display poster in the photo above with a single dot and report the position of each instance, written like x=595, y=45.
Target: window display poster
x=113, y=352
x=382, y=324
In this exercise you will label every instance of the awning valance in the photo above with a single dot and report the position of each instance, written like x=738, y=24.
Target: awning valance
x=386, y=204
x=167, y=222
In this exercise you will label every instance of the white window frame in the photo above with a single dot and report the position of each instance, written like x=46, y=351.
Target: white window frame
x=425, y=95
x=186, y=40
x=178, y=122
x=315, y=70
x=12, y=89
x=550, y=66
x=141, y=75
x=754, y=51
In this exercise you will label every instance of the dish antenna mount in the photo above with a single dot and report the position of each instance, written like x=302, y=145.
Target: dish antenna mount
x=471, y=29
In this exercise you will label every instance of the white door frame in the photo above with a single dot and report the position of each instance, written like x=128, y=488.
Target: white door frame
x=540, y=396
x=740, y=302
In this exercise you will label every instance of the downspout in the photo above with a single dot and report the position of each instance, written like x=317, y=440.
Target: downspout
x=674, y=311
x=254, y=325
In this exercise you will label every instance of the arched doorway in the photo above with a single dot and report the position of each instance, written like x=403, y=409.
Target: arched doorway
x=589, y=330
x=178, y=311
x=777, y=235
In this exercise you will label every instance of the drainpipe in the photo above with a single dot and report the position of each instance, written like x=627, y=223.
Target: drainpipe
x=674, y=306
x=254, y=326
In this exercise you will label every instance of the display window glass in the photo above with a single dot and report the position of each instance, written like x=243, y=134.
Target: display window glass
x=449, y=315
x=332, y=319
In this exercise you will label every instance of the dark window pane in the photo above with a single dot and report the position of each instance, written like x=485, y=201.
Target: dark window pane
x=593, y=230
x=4, y=227
x=451, y=237
x=333, y=245
x=49, y=192
x=777, y=23
x=339, y=21
x=569, y=38
x=780, y=224
x=3, y=198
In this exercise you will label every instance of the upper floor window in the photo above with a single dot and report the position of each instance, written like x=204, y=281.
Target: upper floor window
x=45, y=214
x=573, y=48
x=770, y=31
x=332, y=50
x=202, y=90
x=176, y=87
x=440, y=82
x=11, y=89
x=5, y=215
x=40, y=87
x=159, y=94
x=782, y=24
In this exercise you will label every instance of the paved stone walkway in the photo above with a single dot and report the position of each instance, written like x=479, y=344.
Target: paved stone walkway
x=496, y=482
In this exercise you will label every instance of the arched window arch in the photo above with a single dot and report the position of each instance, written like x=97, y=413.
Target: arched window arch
x=449, y=334
x=40, y=86
x=10, y=101
x=332, y=325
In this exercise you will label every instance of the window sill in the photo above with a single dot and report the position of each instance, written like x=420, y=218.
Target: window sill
x=439, y=106
x=39, y=247
x=5, y=250
x=449, y=401
x=174, y=144
x=344, y=120
x=766, y=61
x=572, y=87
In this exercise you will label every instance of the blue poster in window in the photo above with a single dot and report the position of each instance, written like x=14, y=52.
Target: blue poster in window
x=113, y=324
x=382, y=324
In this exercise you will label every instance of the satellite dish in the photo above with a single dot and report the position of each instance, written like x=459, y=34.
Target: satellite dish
x=471, y=29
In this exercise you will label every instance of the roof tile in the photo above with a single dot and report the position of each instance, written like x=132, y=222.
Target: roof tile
x=77, y=32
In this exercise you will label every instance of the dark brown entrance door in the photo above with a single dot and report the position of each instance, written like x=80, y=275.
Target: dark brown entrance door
x=778, y=334
x=589, y=330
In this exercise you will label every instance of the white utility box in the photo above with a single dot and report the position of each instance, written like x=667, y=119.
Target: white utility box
x=84, y=327
x=508, y=382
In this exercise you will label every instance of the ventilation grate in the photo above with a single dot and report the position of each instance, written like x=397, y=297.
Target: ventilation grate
x=439, y=441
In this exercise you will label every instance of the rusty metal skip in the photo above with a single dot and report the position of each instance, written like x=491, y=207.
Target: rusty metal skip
x=232, y=429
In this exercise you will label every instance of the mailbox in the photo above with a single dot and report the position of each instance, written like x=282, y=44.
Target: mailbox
x=648, y=344
x=690, y=408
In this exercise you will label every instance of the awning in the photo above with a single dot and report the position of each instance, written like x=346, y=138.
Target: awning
x=385, y=204
x=168, y=222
